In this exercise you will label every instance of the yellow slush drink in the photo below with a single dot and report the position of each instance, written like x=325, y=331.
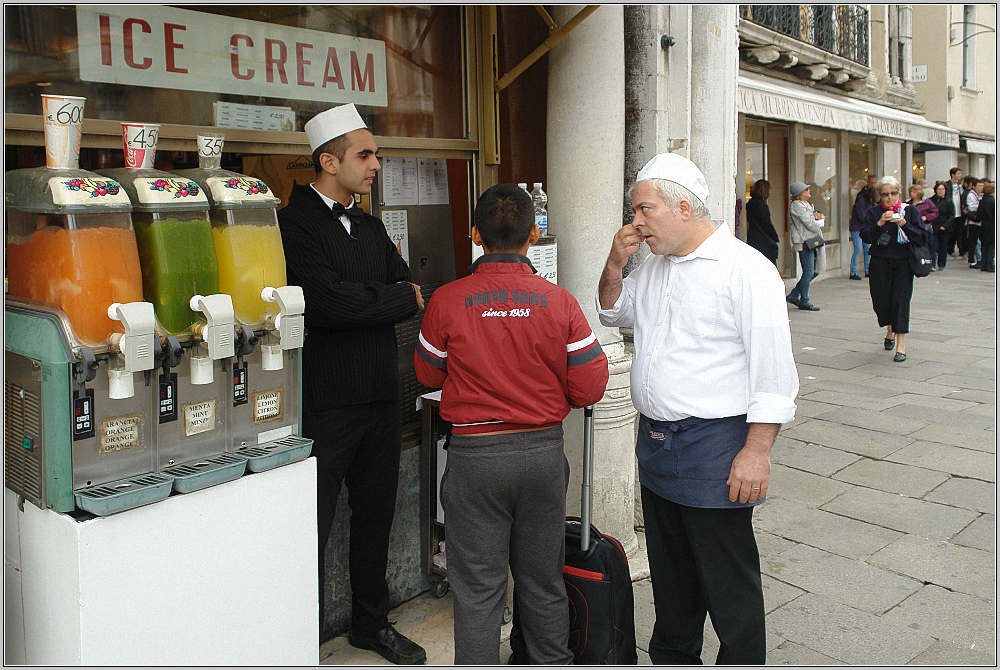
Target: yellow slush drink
x=250, y=258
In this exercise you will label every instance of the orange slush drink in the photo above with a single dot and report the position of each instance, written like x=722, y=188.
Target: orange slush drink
x=82, y=271
x=250, y=258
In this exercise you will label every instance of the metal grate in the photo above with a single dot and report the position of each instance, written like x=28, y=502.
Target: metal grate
x=406, y=342
x=117, y=488
x=23, y=467
x=203, y=465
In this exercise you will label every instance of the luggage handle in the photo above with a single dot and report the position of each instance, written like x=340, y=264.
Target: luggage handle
x=588, y=440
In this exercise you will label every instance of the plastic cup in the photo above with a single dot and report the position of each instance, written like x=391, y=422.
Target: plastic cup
x=210, y=149
x=63, y=125
x=140, y=143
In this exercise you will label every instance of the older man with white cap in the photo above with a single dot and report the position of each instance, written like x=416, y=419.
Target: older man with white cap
x=713, y=379
x=356, y=288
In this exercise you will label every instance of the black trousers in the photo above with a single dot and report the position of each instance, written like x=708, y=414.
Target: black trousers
x=359, y=445
x=891, y=285
x=957, y=236
x=703, y=561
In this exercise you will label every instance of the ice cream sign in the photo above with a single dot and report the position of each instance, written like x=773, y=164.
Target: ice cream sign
x=166, y=47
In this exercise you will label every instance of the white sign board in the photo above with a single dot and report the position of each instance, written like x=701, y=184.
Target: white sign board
x=918, y=73
x=166, y=47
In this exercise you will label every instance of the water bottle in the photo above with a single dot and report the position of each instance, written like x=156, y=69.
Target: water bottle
x=524, y=185
x=541, y=216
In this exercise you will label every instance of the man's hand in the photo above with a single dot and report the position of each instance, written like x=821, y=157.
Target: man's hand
x=750, y=473
x=416, y=289
x=625, y=243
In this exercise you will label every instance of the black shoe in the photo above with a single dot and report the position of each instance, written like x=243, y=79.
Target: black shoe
x=809, y=306
x=866, y=275
x=899, y=357
x=792, y=300
x=393, y=646
x=975, y=266
x=856, y=277
x=889, y=344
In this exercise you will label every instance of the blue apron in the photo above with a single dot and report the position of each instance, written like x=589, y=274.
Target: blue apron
x=687, y=462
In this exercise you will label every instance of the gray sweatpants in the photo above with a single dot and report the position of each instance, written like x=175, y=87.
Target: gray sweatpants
x=504, y=499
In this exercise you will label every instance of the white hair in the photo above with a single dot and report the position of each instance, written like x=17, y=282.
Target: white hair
x=891, y=181
x=672, y=193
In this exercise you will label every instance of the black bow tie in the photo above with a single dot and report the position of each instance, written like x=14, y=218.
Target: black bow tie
x=354, y=213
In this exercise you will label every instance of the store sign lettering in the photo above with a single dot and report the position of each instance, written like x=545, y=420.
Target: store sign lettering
x=166, y=47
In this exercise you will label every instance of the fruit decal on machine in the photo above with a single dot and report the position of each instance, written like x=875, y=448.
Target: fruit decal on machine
x=180, y=188
x=94, y=187
x=248, y=186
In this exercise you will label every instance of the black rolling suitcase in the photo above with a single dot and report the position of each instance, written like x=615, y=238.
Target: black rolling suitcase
x=598, y=583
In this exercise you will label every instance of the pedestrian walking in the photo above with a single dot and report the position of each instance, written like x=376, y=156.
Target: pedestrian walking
x=356, y=287
x=761, y=234
x=511, y=353
x=956, y=235
x=941, y=226
x=928, y=213
x=864, y=201
x=804, y=223
x=890, y=227
x=713, y=379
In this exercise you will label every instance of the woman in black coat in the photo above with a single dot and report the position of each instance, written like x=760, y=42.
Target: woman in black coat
x=889, y=227
x=761, y=234
x=941, y=226
x=987, y=213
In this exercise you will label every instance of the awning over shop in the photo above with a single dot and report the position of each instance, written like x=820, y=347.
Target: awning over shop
x=773, y=100
x=980, y=147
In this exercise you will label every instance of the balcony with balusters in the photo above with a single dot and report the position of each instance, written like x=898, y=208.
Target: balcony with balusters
x=817, y=44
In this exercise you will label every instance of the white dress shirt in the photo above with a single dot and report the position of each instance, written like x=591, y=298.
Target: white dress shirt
x=711, y=334
x=344, y=219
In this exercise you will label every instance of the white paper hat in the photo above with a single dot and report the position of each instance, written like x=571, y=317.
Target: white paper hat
x=676, y=168
x=334, y=122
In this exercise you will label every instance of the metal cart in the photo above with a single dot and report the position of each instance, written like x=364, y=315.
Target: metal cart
x=433, y=458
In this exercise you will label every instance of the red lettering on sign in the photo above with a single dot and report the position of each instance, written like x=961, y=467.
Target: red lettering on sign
x=369, y=74
x=334, y=62
x=127, y=30
x=234, y=57
x=105, y=22
x=171, y=46
x=272, y=60
x=300, y=63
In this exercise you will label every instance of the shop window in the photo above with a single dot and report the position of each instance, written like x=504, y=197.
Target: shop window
x=268, y=56
x=756, y=155
x=860, y=163
x=821, y=175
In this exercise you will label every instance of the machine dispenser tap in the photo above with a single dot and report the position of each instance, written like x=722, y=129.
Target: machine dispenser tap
x=289, y=321
x=218, y=332
x=138, y=343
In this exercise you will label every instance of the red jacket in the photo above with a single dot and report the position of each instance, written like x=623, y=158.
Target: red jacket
x=509, y=349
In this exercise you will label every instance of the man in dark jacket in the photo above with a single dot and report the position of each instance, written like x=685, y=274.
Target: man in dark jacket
x=356, y=288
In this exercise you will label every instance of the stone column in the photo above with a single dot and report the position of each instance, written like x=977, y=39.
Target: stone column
x=585, y=137
x=714, y=70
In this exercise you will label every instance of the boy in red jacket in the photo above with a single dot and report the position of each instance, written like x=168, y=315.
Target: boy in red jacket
x=511, y=353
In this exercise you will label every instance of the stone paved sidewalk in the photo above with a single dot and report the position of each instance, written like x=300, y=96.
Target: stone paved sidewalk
x=878, y=539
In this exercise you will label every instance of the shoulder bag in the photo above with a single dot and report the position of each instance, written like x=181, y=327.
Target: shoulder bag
x=812, y=243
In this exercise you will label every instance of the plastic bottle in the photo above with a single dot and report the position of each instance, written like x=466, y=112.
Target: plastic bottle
x=541, y=216
x=524, y=185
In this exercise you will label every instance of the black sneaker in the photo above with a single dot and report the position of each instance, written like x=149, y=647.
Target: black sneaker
x=794, y=301
x=393, y=646
x=809, y=306
x=854, y=276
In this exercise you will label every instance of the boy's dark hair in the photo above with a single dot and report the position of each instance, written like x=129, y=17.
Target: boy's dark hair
x=504, y=217
x=337, y=146
x=953, y=171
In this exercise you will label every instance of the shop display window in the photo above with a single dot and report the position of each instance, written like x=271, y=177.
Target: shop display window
x=860, y=163
x=423, y=73
x=821, y=175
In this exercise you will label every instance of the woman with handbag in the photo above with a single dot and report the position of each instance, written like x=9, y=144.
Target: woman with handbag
x=889, y=228
x=806, y=228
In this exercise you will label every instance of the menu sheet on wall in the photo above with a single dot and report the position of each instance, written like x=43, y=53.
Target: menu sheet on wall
x=395, y=226
x=432, y=181
x=399, y=176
